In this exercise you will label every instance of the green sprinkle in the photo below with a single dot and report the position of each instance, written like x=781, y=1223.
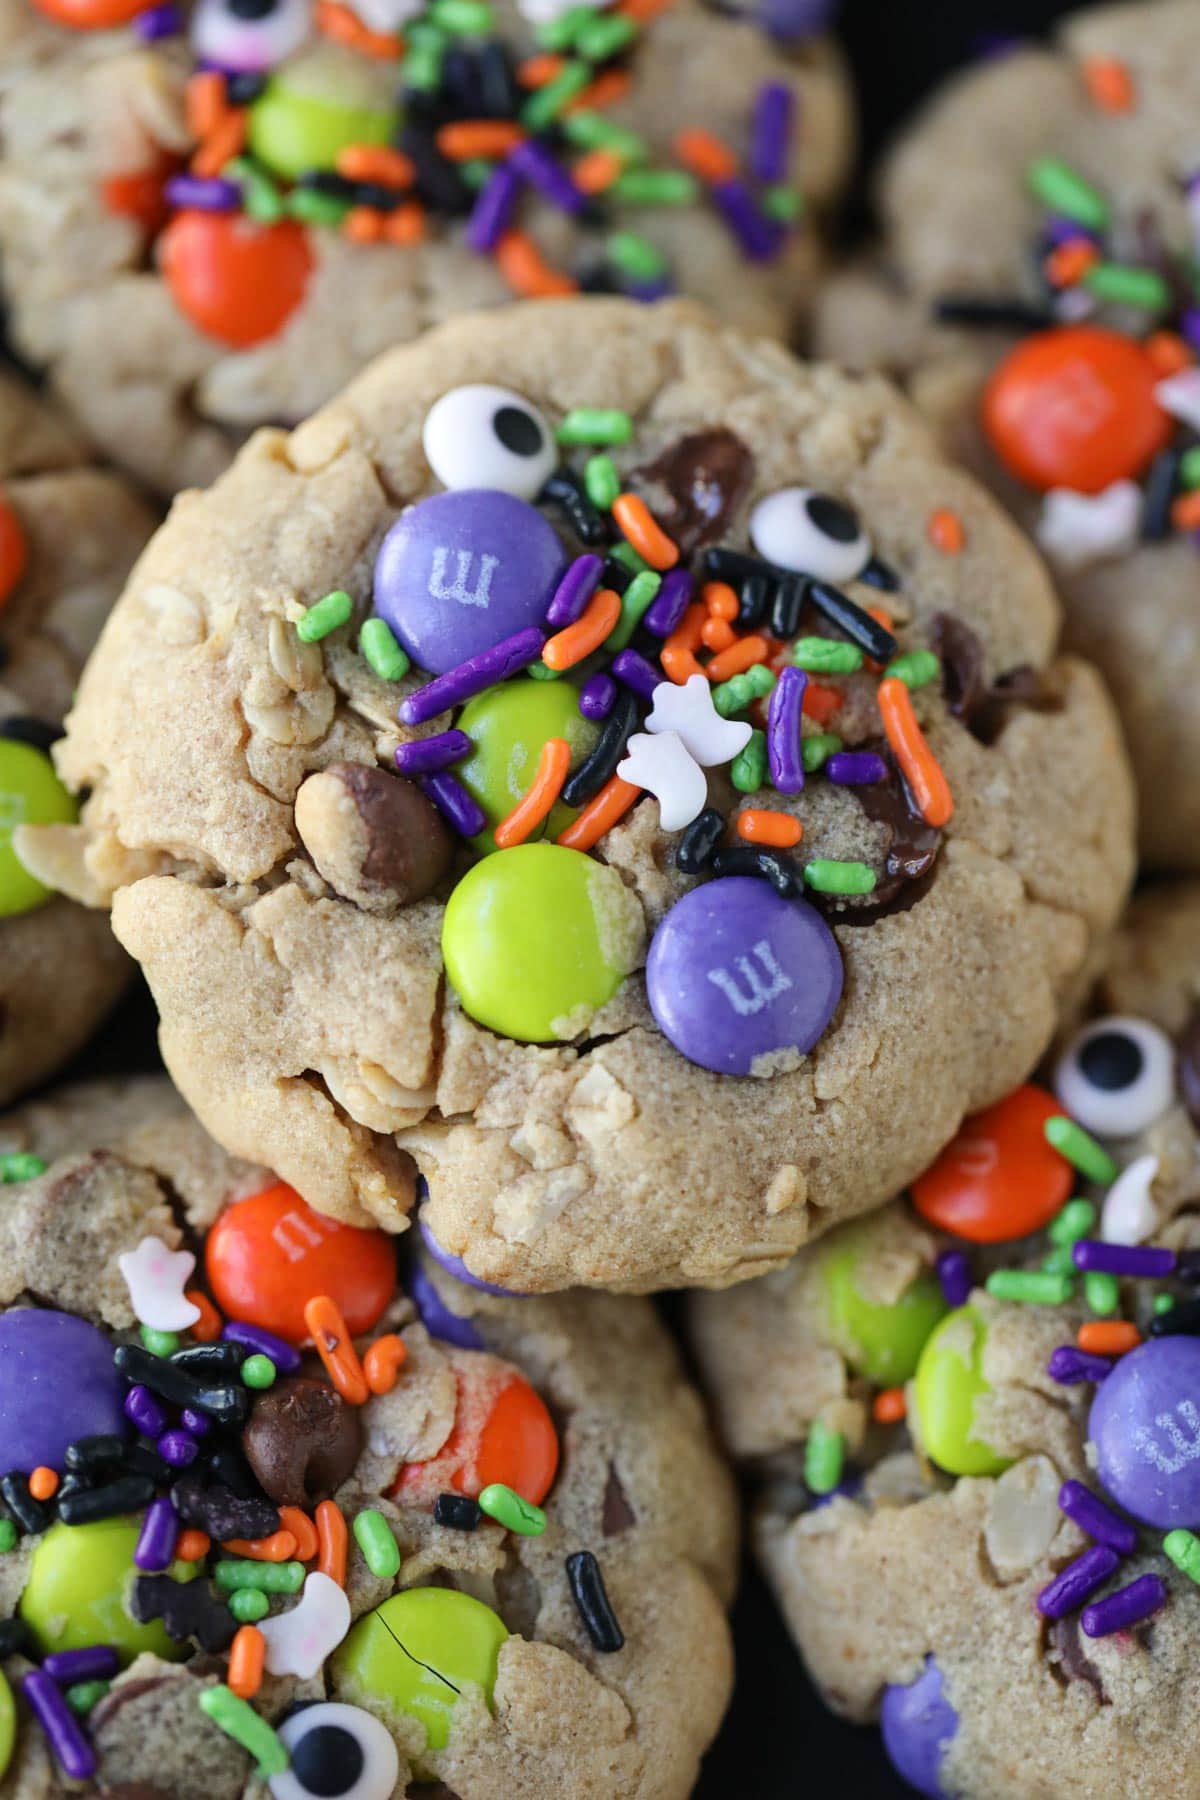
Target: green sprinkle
x=1060, y=1262
x=379, y=650
x=594, y=425
x=740, y=691
x=259, y=1372
x=588, y=130
x=21, y=1165
x=561, y=33
x=476, y=171
x=1081, y=1150
x=1189, y=467
x=1057, y=185
x=1164, y=1303
x=81, y=1696
x=426, y=35
x=830, y=877
x=635, y=602
x=824, y=1455
x=544, y=104
x=655, y=187
x=827, y=656
x=604, y=35
x=1076, y=1220
x=462, y=18
x=272, y=1578
x=1127, y=286
x=261, y=199
x=313, y=208
x=159, y=1343
x=510, y=1510
x=816, y=749
x=249, y=1605
x=422, y=68
x=1101, y=1291
x=601, y=480
x=782, y=203
x=239, y=1721
x=324, y=616
x=628, y=557
x=634, y=255
x=540, y=671
x=375, y=1539
x=916, y=669
x=8, y=1536
x=1183, y=1548
x=1033, y=1287
x=748, y=770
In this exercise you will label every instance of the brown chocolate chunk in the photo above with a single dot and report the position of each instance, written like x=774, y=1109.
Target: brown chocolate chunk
x=374, y=837
x=302, y=1441
x=908, y=861
x=706, y=477
x=961, y=654
x=1073, y=1661
x=616, y=1514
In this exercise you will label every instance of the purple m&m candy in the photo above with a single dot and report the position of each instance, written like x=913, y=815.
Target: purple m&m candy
x=462, y=571
x=737, y=975
x=1145, y=1424
x=917, y=1724
x=57, y=1383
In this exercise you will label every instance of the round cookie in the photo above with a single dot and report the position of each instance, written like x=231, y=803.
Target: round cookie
x=975, y=1445
x=1037, y=301
x=482, y=1543
x=246, y=209
x=335, y=1016
x=69, y=534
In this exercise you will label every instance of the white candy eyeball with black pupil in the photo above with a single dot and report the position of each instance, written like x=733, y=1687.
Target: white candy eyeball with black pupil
x=802, y=529
x=249, y=36
x=1117, y=1076
x=489, y=437
x=337, y=1752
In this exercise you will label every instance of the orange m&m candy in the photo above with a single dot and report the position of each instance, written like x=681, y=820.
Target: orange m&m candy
x=236, y=279
x=1075, y=408
x=999, y=1178
x=502, y=1432
x=14, y=549
x=269, y=1255
x=92, y=15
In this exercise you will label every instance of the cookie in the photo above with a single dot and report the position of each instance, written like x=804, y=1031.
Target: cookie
x=467, y=1541
x=969, y=1418
x=769, y=920
x=69, y=534
x=246, y=208
x=1038, y=300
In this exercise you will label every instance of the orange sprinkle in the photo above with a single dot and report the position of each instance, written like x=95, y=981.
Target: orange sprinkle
x=540, y=71
x=599, y=815
x=192, y=1545
x=327, y=1328
x=279, y=1547
x=1168, y=352
x=889, y=1406
x=528, y=813
x=678, y=652
x=343, y=25
x=705, y=155
x=608, y=88
x=644, y=532
x=333, y=1539
x=1070, y=262
x=207, y=1328
x=717, y=634
x=761, y=825
x=469, y=138
x=520, y=262
x=376, y=162
x=644, y=10
x=1108, y=1337
x=302, y=1529
x=226, y=140
x=597, y=171
x=820, y=701
x=737, y=658
x=247, y=1656
x=405, y=225
x=43, y=1482
x=383, y=1362
x=205, y=102
x=1185, y=511
x=720, y=600
x=918, y=764
x=570, y=645
x=1109, y=83
x=363, y=225
x=945, y=530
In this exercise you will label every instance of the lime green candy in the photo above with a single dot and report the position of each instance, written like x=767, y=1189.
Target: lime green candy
x=948, y=1384
x=8, y=1723
x=880, y=1341
x=75, y=1594
x=535, y=939
x=316, y=107
x=508, y=726
x=30, y=794
x=417, y=1650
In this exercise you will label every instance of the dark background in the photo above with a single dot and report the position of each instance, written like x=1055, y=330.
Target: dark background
x=777, y=1739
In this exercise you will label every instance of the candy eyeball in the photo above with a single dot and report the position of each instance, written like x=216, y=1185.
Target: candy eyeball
x=337, y=1752
x=489, y=437
x=544, y=12
x=811, y=532
x=249, y=36
x=1117, y=1076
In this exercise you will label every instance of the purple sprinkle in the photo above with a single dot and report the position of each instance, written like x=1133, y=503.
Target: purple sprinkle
x=1071, y=1366
x=1122, y=1259
x=1058, y=229
x=1095, y=1518
x=954, y=1273
x=1079, y=1579
x=783, y=731
x=846, y=1489
x=206, y=194
x=56, y=1719
x=145, y=1412
x=99, y=1662
x=534, y=163
x=759, y=237
x=650, y=291
x=179, y=1448
x=157, y=1538
x=195, y=1422
x=1128, y=1606
x=597, y=695
x=461, y=811
x=669, y=604
x=493, y=210
x=855, y=768
x=286, y=1357
x=573, y=592
x=771, y=131
x=158, y=22
x=1189, y=325
x=636, y=673
x=425, y=756
x=471, y=677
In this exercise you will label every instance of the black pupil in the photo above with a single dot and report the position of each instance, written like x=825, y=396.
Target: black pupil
x=1111, y=1060
x=518, y=431
x=251, y=9
x=328, y=1760
x=831, y=517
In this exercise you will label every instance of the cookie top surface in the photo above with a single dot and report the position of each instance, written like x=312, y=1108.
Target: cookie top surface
x=249, y=208
x=348, y=993
x=970, y=1415
x=504, y=1490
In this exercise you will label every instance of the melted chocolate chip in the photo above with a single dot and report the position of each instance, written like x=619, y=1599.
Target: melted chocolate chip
x=961, y=655
x=1074, y=1664
x=706, y=477
x=302, y=1441
x=1188, y=1057
x=616, y=1514
x=909, y=857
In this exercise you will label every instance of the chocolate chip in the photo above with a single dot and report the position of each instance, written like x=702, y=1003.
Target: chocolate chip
x=706, y=477
x=188, y=1609
x=302, y=1441
x=961, y=654
x=616, y=1514
x=374, y=838
x=222, y=1513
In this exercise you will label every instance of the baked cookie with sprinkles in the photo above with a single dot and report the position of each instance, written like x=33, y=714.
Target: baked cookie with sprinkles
x=1036, y=283
x=971, y=1418
x=69, y=534
x=278, y=1515
x=610, y=771
x=213, y=214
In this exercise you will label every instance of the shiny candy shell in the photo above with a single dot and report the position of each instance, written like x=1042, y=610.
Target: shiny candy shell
x=918, y=1725
x=508, y=726
x=882, y=1341
x=1145, y=1425
x=8, y=1723
x=502, y=1432
x=998, y=1178
x=949, y=1380
x=315, y=107
x=57, y=1383
x=76, y=1589
x=417, y=1650
x=237, y=280
x=30, y=794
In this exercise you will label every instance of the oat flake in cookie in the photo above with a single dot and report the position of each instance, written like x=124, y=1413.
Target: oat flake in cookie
x=281, y=1515
x=971, y=1418
x=213, y=214
x=574, y=774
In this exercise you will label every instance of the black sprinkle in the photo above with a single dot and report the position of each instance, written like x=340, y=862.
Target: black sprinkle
x=1157, y=496
x=439, y=183
x=591, y=1599
x=497, y=82
x=754, y=597
x=377, y=195
x=998, y=314
x=243, y=88
x=852, y=621
x=461, y=82
x=1183, y=1319
x=745, y=859
x=223, y=1514
x=228, y=1402
x=209, y=1360
x=564, y=491
x=143, y=1459
x=26, y=1512
x=599, y=280
x=787, y=606
x=1187, y=1265
x=188, y=1609
x=878, y=574
x=88, y=1454
x=458, y=1511
x=74, y=1483
x=735, y=566
x=125, y=1495
x=228, y=1468
x=329, y=183
x=695, y=848
x=21, y=728
x=14, y=1637
x=606, y=753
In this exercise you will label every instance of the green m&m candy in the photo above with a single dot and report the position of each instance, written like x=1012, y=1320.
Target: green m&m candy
x=8, y=1723
x=537, y=938
x=30, y=794
x=75, y=1596
x=949, y=1382
x=881, y=1340
x=417, y=1650
x=508, y=726
x=316, y=106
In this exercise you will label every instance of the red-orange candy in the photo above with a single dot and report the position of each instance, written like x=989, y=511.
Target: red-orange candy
x=502, y=1432
x=999, y=1178
x=91, y=15
x=235, y=279
x=14, y=549
x=269, y=1255
x=1074, y=407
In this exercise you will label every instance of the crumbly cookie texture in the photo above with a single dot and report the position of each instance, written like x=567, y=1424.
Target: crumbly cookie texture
x=1133, y=613
x=322, y=1038
x=127, y=1160
x=171, y=402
